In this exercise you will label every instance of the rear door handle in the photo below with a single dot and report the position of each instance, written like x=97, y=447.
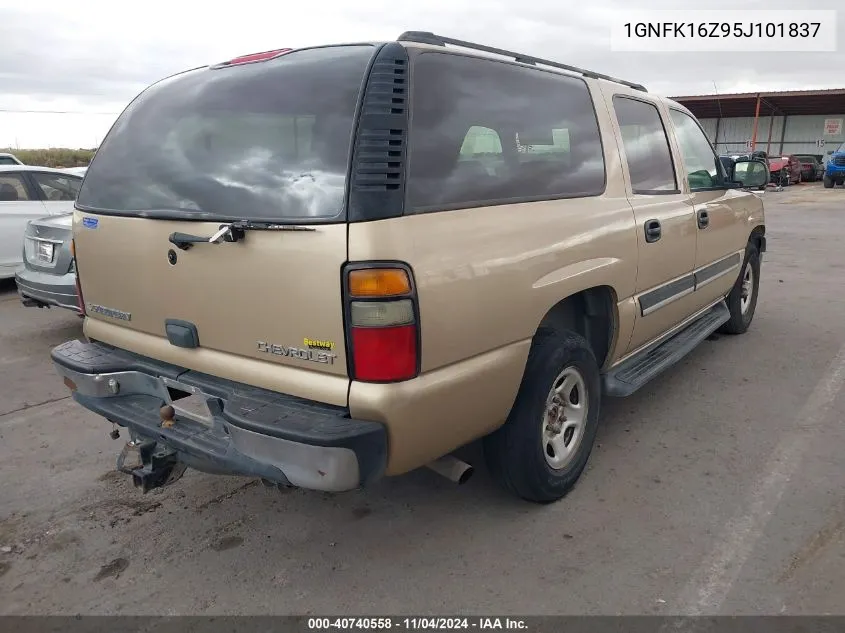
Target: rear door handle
x=703, y=219
x=652, y=231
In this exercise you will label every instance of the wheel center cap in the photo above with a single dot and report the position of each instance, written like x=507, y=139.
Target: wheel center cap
x=556, y=419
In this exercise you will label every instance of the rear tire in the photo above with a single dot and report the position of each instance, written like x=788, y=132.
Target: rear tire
x=828, y=182
x=742, y=300
x=543, y=447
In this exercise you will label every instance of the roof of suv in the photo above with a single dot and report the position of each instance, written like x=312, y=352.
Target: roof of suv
x=425, y=39
x=431, y=39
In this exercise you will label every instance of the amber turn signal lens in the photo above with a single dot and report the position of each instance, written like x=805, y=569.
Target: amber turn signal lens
x=379, y=282
x=69, y=384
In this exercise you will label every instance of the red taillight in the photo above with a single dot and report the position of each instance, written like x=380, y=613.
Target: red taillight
x=256, y=57
x=382, y=315
x=384, y=354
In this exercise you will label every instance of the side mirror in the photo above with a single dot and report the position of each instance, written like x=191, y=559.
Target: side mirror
x=751, y=173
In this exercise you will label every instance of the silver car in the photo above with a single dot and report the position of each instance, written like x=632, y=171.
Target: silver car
x=28, y=193
x=48, y=277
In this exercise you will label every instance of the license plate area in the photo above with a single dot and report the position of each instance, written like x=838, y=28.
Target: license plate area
x=188, y=402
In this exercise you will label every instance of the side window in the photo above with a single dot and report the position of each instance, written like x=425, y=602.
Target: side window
x=12, y=188
x=488, y=132
x=56, y=187
x=8, y=160
x=646, y=146
x=703, y=168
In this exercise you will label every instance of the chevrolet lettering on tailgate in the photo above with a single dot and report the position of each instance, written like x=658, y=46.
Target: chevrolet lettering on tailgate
x=296, y=352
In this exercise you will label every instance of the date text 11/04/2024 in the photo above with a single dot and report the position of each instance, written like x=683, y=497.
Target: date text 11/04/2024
x=415, y=624
x=721, y=29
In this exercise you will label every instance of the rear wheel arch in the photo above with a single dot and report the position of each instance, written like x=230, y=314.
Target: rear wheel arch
x=592, y=313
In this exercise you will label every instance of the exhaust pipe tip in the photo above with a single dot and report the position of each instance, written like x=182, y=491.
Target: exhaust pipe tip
x=452, y=468
x=466, y=475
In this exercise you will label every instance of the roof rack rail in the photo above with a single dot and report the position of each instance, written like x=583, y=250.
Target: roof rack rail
x=424, y=37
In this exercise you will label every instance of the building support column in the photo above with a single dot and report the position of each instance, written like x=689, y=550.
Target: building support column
x=771, y=125
x=782, y=134
x=756, y=121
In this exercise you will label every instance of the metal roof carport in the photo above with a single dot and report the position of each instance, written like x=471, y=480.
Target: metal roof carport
x=782, y=105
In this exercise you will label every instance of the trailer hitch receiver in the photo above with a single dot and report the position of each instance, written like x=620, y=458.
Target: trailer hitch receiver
x=150, y=464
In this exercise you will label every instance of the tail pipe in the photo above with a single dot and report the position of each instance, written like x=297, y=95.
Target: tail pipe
x=452, y=468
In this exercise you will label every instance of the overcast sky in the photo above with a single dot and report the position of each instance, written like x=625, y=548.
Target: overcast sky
x=89, y=56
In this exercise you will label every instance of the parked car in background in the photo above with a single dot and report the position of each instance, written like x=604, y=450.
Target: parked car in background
x=785, y=169
x=48, y=277
x=9, y=159
x=834, y=171
x=28, y=193
x=812, y=168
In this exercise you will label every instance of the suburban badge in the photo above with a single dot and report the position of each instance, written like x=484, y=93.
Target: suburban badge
x=110, y=312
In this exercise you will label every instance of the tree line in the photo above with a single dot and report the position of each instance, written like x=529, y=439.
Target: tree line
x=53, y=157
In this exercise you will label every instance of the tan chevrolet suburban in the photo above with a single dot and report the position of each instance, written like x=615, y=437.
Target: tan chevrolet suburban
x=324, y=266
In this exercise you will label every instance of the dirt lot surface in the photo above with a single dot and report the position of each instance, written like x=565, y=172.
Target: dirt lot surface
x=719, y=488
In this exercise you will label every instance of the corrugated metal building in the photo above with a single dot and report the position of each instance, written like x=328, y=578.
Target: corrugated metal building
x=799, y=122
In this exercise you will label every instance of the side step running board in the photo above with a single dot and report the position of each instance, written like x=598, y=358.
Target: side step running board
x=627, y=377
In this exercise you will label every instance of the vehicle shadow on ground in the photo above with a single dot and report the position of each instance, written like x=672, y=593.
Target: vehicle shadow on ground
x=8, y=289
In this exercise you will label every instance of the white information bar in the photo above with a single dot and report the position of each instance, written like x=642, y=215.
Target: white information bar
x=676, y=31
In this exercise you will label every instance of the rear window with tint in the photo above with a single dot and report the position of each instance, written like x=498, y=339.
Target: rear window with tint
x=487, y=132
x=268, y=140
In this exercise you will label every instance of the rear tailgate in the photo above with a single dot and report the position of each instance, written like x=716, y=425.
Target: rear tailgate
x=264, y=142
x=270, y=297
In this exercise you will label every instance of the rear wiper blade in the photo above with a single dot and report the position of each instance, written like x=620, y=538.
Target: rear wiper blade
x=232, y=232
